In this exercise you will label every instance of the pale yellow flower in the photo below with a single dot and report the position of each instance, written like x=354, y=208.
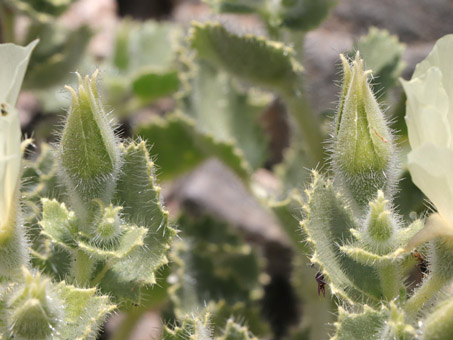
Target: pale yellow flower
x=13, y=63
x=429, y=118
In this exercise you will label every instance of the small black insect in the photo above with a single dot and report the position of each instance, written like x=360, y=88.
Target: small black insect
x=421, y=262
x=3, y=110
x=321, y=284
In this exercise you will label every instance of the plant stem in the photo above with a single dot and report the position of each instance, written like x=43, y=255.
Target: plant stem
x=308, y=124
x=124, y=331
x=100, y=275
x=7, y=19
x=390, y=281
x=83, y=267
x=423, y=294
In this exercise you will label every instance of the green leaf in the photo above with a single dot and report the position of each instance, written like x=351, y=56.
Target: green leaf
x=383, y=54
x=360, y=326
x=437, y=325
x=85, y=312
x=288, y=214
x=143, y=65
x=39, y=179
x=148, y=85
x=41, y=10
x=213, y=263
x=235, y=331
x=236, y=6
x=132, y=238
x=58, y=224
x=254, y=59
x=294, y=169
x=193, y=327
x=59, y=53
x=180, y=147
x=139, y=194
x=328, y=222
x=226, y=112
x=303, y=15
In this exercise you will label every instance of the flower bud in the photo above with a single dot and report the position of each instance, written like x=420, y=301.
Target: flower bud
x=362, y=148
x=108, y=227
x=34, y=311
x=380, y=227
x=89, y=153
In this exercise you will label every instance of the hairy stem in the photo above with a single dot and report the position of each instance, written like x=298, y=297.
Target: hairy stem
x=83, y=267
x=423, y=294
x=308, y=124
x=390, y=281
x=7, y=19
x=124, y=331
x=101, y=274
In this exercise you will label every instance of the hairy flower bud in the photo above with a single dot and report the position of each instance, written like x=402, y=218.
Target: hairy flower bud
x=362, y=148
x=108, y=227
x=89, y=153
x=380, y=227
x=34, y=311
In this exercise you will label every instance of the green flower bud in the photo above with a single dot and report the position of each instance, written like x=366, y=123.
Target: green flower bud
x=380, y=227
x=109, y=223
x=362, y=148
x=89, y=153
x=33, y=310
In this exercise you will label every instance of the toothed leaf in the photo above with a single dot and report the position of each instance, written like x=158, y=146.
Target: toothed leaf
x=222, y=110
x=215, y=264
x=58, y=224
x=383, y=54
x=360, y=326
x=180, y=147
x=57, y=55
x=85, y=312
x=131, y=239
x=328, y=222
x=139, y=194
x=251, y=58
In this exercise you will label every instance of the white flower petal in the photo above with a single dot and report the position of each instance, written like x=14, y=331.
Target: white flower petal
x=10, y=160
x=442, y=57
x=427, y=110
x=435, y=226
x=431, y=169
x=13, y=64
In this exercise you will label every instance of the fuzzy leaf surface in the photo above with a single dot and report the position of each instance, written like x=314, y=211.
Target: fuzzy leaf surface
x=139, y=194
x=327, y=224
x=85, y=312
x=383, y=54
x=251, y=58
x=222, y=110
x=181, y=147
x=361, y=326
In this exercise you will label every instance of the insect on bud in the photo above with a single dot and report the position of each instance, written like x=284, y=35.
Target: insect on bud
x=362, y=147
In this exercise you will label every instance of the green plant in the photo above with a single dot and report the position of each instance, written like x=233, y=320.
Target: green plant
x=109, y=227
x=84, y=231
